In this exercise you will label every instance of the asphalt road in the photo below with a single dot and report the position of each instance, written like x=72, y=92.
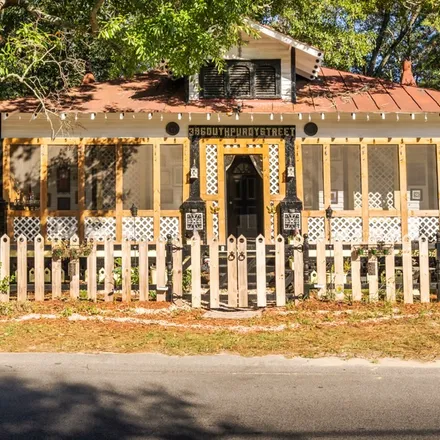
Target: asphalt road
x=53, y=396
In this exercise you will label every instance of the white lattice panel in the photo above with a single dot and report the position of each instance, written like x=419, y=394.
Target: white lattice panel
x=169, y=226
x=347, y=228
x=211, y=169
x=254, y=146
x=28, y=226
x=382, y=170
x=386, y=229
x=61, y=227
x=215, y=221
x=316, y=229
x=423, y=227
x=232, y=146
x=139, y=228
x=99, y=228
x=274, y=168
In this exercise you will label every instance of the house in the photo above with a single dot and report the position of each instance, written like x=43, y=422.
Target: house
x=262, y=148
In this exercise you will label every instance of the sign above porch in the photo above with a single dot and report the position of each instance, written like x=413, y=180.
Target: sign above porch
x=241, y=131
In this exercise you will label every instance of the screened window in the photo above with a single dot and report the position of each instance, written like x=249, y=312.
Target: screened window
x=100, y=173
x=313, y=177
x=345, y=177
x=138, y=176
x=62, y=177
x=383, y=177
x=421, y=177
x=171, y=177
x=25, y=174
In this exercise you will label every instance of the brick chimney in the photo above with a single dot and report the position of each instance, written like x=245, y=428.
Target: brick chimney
x=407, y=78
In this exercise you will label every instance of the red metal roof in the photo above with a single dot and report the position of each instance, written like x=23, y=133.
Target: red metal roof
x=333, y=91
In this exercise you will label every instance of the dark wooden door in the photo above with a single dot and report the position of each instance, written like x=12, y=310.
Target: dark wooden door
x=244, y=198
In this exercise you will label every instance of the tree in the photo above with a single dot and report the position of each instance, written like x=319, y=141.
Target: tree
x=368, y=36
x=46, y=46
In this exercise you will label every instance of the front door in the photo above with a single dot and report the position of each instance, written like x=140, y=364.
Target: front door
x=244, y=189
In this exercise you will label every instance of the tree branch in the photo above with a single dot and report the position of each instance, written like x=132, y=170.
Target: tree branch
x=379, y=41
x=94, y=16
x=403, y=33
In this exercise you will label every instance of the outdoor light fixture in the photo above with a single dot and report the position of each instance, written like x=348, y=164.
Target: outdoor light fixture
x=300, y=116
x=339, y=117
x=6, y=116
x=329, y=213
x=426, y=117
x=63, y=116
x=322, y=116
x=271, y=116
x=290, y=170
x=382, y=115
x=92, y=116
x=397, y=117
x=121, y=116
x=179, y=116
x=252, y=117
x=208, y=116
x=194, y=172
x=368, y=116
x=237, y=116
x=281, y=117
x=353, y=115
x=134, y=210
x=413, y=116
x=150, y=115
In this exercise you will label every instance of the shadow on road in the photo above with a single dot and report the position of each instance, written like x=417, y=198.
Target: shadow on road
x=68, y=410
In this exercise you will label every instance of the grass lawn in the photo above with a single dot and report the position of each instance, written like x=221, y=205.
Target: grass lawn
x=311, y=329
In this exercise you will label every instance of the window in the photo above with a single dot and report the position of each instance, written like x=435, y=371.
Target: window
x=421, y=166
x=138, y=176
x=62, y=177
x=242, y=79
x=25, y=174
x=171, y=177
x=100, y=170
x=345, y=173
x=313, y=179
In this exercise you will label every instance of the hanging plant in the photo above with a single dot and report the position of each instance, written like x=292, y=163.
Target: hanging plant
x=64, y=251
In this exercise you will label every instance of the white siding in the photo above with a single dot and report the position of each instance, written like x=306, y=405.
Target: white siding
x=22, y=126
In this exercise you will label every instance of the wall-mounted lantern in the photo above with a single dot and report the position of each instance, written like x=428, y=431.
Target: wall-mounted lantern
x=194, y=172
x=290, y=171
x=329, y=213
x=134, y=210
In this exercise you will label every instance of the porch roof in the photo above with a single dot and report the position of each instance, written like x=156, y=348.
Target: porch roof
x=332, y=91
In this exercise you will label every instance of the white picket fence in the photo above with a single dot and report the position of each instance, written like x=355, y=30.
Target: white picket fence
x=37, y=279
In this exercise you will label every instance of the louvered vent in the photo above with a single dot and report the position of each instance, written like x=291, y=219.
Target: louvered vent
x=213, y=82
x=265, y=81
x=239, y=81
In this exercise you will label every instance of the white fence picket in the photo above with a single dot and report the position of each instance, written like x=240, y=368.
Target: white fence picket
x=280, y=279
x=261, y=271
x=39, y=267
x=5, y=264
x=196, y=288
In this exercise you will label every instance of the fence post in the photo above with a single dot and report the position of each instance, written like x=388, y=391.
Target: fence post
x=21, y=268
x=74, y=270
x=39, y=267
x=339, y=270
x=306, y=250
x=408, y=296
x=160, y=270
x=126, y=270
x=56, y=271
x=298, y=265
x=280, y=261
x=177, y=268
x=109, y=262
x=143, y=271
x=196, y=299
x=261, y=271
x=5, y=264
x=390, y=276
x=242, y=272
x=424, y=270
x=91, y=273
x=214, y=288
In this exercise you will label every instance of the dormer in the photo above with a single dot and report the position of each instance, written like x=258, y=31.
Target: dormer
x=259, y=68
